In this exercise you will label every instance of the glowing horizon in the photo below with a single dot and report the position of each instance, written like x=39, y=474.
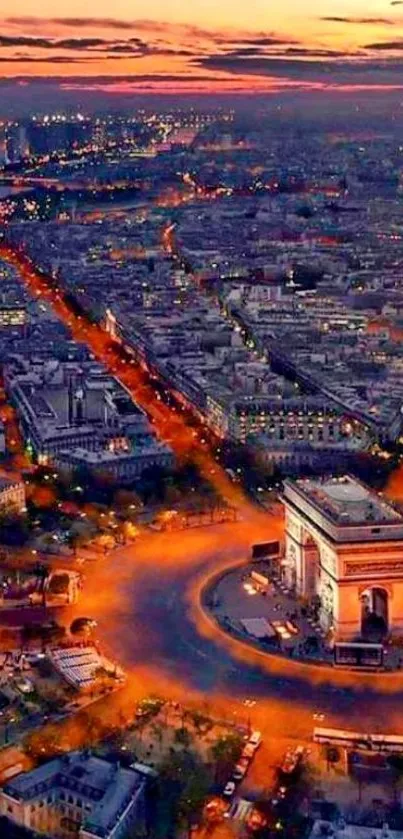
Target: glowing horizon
x=207, y=47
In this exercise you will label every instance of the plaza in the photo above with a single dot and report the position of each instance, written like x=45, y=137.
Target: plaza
x=270, y=619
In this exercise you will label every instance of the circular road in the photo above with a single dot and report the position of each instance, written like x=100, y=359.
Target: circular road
x=146, y=600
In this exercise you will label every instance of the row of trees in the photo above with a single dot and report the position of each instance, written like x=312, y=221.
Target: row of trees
x=185, y=781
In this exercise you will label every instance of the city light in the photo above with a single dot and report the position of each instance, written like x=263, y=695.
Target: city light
x=201, y=428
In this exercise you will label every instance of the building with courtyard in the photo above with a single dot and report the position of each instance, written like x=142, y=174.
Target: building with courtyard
x=79, y=795
x=344, y=549
x=80, y=417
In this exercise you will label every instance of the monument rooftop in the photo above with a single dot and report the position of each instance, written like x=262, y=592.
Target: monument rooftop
x=345, y=502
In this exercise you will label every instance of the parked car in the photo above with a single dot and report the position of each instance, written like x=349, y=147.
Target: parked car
x=255, y=739
x=229, y=789
x=241, y=768
x=248, y=751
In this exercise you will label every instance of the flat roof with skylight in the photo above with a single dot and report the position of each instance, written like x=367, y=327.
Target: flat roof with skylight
x=342, y=505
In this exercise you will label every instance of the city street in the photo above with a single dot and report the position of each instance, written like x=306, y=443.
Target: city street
x=146, y=598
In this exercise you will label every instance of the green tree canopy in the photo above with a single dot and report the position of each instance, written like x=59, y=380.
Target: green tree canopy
x=184, y=783
x=225, y=752
x=183, y=736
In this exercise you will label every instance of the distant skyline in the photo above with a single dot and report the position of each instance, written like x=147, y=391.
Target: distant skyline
x=204, y=46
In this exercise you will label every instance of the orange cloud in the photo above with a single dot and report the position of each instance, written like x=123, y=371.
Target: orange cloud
x=146, y=55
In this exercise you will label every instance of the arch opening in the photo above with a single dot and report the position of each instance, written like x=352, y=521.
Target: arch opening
x=374, y=614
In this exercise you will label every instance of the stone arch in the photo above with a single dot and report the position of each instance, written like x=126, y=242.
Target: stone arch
x=328, y=603
x=290, y=565
x=302, y=558
x=311, y=562
x=307, y=538
x=375, y=612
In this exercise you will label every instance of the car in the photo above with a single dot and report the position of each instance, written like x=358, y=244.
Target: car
x=248, y=751
x=25, y=686
x=229, y=789
x=255, y=739
x=241, y=768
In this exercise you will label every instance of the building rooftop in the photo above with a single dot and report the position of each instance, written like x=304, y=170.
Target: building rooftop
x=346, y=501
x=107, y=787
x=106, y=456
x=79, y=665
x=353, y=831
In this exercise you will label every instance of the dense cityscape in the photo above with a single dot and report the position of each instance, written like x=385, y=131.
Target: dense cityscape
x=201, y=431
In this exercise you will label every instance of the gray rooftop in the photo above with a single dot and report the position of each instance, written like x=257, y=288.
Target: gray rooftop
x=346, y=501
x=107, y=787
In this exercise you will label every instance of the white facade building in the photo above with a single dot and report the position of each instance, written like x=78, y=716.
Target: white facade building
x=76, y=795
x=12, y=495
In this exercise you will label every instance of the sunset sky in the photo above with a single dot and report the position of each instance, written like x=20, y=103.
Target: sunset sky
x=204, y=45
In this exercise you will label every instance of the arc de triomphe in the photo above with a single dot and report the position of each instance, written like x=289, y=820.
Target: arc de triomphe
x=344, y=545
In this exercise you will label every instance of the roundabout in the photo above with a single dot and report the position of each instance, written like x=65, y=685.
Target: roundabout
x=147, y=600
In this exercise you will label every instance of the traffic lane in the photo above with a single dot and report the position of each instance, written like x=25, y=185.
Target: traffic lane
x=151, y=613
x=140, y=384
x=206, y=665
x=150, y=629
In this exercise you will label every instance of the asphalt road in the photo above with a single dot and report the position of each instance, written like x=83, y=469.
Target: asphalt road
x=145, y=599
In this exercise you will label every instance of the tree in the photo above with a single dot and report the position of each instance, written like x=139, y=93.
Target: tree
x=201, y=723
x=42, y=573
x=183, y=737
x=82, y=626
x=158, y=731
x=45, y=743
x=93, y=727
x=184, y=783
x=79, y=535
x=225, y=752
x=192, y=797
x=103, y=679
x=55, y=699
